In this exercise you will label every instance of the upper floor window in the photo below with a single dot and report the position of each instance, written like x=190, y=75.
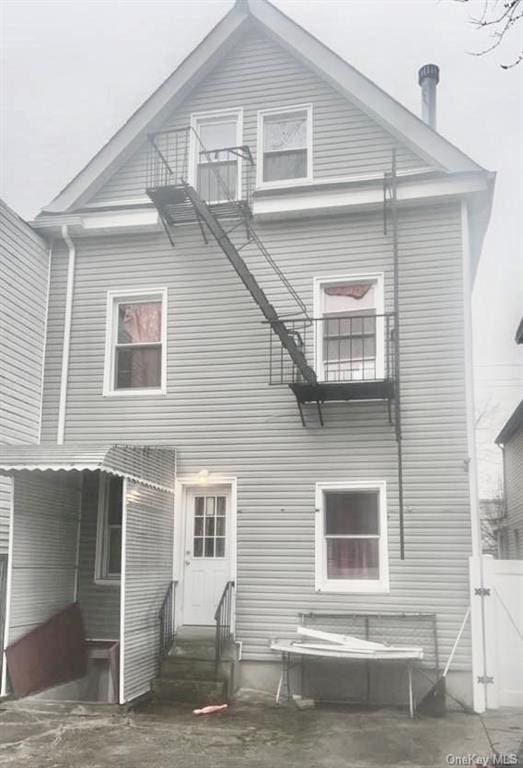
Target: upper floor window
x=215, y=165
x=350, y=328
x=135, y=345
x=351, y=537
x=108, y=564
x=285, y=145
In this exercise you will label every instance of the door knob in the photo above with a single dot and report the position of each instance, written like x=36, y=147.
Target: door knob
x=187, y=562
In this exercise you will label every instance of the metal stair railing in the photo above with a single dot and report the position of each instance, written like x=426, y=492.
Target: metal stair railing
x=223, y=619
x=166, y=617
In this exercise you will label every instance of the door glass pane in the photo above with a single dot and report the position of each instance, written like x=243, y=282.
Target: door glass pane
x=198, y=547
x=209, y=547
x=199, y=505
x=220, y=526
x=209, y=526
x=220, y=547
x=198, y=526
x=209, y=506
x=220, y=505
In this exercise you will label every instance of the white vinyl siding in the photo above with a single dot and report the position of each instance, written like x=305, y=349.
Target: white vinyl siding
x=23, y=297
x=220, y=413
x=258, y=75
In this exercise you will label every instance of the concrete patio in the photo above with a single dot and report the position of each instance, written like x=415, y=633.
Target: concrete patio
x=256, y=735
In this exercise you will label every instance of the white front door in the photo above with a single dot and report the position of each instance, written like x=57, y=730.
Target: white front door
x=206, y=552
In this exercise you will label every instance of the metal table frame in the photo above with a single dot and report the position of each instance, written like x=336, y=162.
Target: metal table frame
x=288, y=663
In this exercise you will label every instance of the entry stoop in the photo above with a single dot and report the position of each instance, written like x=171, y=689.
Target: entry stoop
x=188, y=674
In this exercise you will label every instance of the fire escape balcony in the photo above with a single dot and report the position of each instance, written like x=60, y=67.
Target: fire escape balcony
x=222, y=177
x=352, y=356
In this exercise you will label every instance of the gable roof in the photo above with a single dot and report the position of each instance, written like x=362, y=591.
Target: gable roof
x=512, y=426
x=364, y=93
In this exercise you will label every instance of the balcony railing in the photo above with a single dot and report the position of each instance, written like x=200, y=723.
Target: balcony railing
x=219, y=174
x=343, y=348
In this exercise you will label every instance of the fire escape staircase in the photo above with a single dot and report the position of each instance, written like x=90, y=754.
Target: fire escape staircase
x=210, y=195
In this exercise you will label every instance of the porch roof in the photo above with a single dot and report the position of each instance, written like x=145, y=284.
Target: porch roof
x=149, y=464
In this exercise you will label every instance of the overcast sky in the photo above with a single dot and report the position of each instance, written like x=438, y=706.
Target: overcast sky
x=74, y=70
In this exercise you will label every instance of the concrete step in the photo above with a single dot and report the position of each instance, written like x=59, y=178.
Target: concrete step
x=203, y=649
x=197, y=692
x=186, y=668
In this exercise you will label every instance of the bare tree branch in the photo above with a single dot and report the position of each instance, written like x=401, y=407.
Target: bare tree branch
x=501, y=21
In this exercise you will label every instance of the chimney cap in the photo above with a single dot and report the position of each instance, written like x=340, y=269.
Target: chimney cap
x=428, y=70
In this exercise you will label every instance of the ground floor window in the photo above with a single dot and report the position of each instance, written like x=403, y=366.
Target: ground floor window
x=109, y=530
x=351, y=537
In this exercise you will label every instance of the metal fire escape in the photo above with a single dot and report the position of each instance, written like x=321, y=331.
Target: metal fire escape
x=190, y=183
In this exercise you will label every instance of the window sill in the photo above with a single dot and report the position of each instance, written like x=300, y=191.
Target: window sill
x=262, y=186
x=136, y=393
x=355, y=588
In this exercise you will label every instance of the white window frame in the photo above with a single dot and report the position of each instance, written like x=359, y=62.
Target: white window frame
x=319, y=284
x=101, y=575
x=201, y=117
x=114, y=298
x=262, y=113
x=346, y=586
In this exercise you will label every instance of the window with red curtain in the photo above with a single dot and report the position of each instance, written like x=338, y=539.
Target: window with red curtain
x=138, y=349
x=352, y=534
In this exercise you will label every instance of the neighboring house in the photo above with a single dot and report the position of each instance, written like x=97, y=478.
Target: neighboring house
x=229, y=288
x=510, y=530
x=491, y=515
x=23, y=300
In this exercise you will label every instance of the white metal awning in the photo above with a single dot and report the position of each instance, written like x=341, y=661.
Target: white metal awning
x=148, y=464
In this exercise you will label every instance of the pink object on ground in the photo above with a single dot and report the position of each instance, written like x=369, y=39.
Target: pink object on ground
x=210, y=709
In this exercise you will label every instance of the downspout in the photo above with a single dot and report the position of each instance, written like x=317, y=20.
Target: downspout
x=44, y=345
x=471, y=438
x=68, y=312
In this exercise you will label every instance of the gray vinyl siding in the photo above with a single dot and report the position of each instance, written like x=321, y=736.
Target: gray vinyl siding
x=5, y=508
x=220, y=413
x=100, y=603
x=148, y=572
x=46, y=507
x=259, y=74
x=23, y=299
x=513, y=458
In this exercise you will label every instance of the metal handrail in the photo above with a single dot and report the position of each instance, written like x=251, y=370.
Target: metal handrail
x=166, y=617
x=356, y=344
x=223, y=619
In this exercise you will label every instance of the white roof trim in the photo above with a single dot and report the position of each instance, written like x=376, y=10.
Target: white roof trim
x=341, y=75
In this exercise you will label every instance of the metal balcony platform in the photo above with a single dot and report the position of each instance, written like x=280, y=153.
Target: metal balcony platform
x=329, y=391
x=176, y=208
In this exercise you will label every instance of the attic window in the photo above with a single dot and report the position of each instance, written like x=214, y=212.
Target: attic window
x=285, y=138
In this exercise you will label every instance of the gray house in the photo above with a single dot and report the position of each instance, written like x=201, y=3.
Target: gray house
x=510, y=526
x=257, y=383
x=23, y=300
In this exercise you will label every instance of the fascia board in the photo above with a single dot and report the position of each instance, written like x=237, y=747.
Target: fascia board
x=368, y=96
x=127, y=139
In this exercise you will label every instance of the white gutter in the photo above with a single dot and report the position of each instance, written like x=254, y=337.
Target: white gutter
x=67, y=335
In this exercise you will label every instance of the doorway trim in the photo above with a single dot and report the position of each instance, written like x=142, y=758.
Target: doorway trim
x=182, y=485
